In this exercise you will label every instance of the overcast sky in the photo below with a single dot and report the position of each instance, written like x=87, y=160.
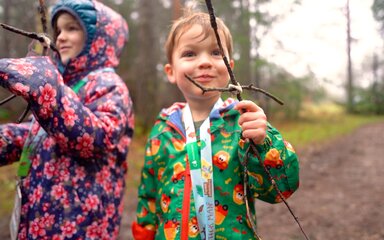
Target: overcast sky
x=314, y=36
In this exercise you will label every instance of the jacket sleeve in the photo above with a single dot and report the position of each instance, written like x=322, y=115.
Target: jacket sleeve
x=280, y=158
x=84, y=126
x=12, y=138
x=146, y=225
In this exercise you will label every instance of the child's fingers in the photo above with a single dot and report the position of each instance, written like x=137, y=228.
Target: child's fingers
x=257, y=135
x=247, y=105
x=252, y=116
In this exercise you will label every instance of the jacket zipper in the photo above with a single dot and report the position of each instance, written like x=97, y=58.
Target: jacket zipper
x=186, y=204
x=187, y=192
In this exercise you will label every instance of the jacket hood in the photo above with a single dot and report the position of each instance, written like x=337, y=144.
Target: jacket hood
x=106, y=35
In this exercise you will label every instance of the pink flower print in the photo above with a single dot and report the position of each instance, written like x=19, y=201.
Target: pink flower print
x=85, y=145
x=64, y=174
x=48, y=73
x=108, y=106
x=65, y=101
x=98, y=44
x=93, y=231
x=45, y=112
x=120, y=40
x=80, y=173
x=69, y=117
x=124, y=143
x=49, y=170
x=21, y=89
x=37, y=194
x=80, y=219
x=112, y=59
x=87, y=121
x=48, y=142
x=35, y=161
x=92, y=202
x=4, y=76
x=23, y=67
x=68, y=229
x=46, y=206
x=48, y=96
x=110, y=210
x=81, y=63
x=55, y=122
x=58, y=192
x=110, y=29
x=62, y=141
x=103, y=175
x=36, y=229
x=19, y=141
x=118, y=188
x=57, y=237
x=48, y=220
x=108, y=187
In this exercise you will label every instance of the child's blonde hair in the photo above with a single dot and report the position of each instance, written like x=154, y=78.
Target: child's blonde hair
x=186, y=21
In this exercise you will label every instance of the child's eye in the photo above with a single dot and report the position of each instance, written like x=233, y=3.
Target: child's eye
x=216, y=52
x=72, y=29
x=188, y=54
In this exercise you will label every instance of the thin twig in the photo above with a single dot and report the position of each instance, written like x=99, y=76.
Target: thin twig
x=214, y=26
x=7, y=99
x=41, y=37
x=24, y=114
x=235, y=90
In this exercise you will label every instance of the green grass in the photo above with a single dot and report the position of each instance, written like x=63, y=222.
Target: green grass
x=7, y=186
x=321, y=125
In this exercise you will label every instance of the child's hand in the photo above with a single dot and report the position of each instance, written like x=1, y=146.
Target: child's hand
x=252, y=121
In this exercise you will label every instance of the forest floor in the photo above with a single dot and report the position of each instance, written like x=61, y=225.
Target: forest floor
x=340, y=195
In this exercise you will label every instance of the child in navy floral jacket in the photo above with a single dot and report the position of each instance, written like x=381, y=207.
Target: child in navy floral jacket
x=73, y=152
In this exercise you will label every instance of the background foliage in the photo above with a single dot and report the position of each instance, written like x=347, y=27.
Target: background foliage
x=143, y=58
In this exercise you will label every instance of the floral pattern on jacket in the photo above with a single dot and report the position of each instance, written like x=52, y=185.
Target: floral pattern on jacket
x=166, y=209
x=76, y=182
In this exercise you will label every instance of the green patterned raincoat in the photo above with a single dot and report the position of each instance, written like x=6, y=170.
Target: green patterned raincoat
x=166, y=206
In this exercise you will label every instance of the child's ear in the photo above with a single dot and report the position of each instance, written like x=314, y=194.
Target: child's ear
x=169, y=71
x=232, y=64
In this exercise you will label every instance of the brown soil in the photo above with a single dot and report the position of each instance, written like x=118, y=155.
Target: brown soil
x=340, y=196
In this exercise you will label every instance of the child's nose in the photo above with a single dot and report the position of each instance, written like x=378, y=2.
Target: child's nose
x=61, y=36
x=205, y=61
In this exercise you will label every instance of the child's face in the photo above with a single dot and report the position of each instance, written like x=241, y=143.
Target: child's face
x=70, y=37
x=200, y=59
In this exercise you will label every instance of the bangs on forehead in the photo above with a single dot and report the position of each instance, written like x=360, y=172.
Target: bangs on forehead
x=206, y=31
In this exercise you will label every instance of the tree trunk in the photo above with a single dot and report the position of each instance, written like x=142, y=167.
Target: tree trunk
x=349, y=64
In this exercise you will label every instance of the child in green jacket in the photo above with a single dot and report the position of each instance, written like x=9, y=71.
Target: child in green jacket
x=192, y=180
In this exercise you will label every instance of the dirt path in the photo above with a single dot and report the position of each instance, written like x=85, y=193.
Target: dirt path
x=341, y=192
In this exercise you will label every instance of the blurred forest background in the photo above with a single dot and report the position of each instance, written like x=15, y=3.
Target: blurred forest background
x=249, y=21
x=311, y=114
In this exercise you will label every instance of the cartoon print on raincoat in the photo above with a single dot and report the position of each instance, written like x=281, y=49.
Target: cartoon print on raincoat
x=161, y=168
x=76, y=181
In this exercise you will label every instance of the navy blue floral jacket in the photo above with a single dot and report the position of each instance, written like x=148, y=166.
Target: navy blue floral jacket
x=75, y=184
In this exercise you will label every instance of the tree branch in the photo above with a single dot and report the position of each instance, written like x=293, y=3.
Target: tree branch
x=235, y=89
